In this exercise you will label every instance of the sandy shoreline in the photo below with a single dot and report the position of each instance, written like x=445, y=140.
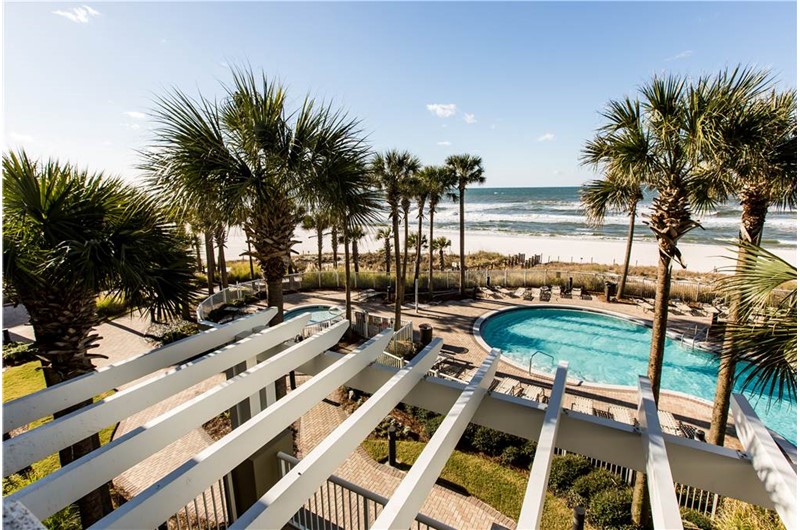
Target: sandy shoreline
x=698, y=258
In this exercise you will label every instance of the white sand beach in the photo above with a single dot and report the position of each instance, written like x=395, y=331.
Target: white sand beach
x=698, y=258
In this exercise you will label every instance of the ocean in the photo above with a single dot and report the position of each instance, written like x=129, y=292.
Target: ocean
x=557, y=212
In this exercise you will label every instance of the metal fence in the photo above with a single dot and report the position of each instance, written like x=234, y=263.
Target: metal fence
x=339, y=504
x=207, y=512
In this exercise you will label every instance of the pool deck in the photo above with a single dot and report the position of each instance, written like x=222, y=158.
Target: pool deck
x=453, y=321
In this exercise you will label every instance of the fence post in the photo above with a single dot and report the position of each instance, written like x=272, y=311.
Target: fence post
x=366, y=513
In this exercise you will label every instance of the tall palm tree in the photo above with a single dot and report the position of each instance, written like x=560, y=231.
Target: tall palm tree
x=357, y=233
x=439, y=182
x=407, y=192
x=440, y=244
x=598, y=196
x=265, y=157
x=763, y=341
x=67, y=237
x=319, y=223
x=753, y=157
x=420, y=192
x=467, y=170
x=335, y=244
x=659, y=147
x=391, y=171
x=385, y=235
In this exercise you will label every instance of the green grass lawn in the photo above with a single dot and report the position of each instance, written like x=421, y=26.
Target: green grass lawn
x=501, y=487
x=20, y=381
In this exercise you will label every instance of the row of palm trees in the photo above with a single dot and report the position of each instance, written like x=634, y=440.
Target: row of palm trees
x=694, y=145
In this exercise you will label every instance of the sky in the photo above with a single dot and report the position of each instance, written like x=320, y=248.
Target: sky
x=519, y=84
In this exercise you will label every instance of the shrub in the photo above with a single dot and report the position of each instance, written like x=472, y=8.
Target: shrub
x=111, y=306
x=736, y=515
x=513, y=456
x=696, y=518
x=611, y=508
x=493, y=442
x=586, y=487
x=177, y=331
x=565, y=469
x=529, y=449
x=17, y=353
x=431, y=424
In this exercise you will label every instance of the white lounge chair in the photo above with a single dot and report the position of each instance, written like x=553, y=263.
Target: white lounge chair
x=668, y=423
x=519, y=292
x=536, y=393
x=503, y=291
x=508, y=385
x=621, y=414
x=583, y=405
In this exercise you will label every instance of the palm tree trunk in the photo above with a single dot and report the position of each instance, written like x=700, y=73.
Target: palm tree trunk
x=387, y=247
x=63, y=330
x=430, y=258
x=462, y=262
x=626, y=265
x=355, y=255
x=197, y=254
x=319, y=247
x=419, y=246
x=754, y=215
x=347, y=303
x=335, y=246
x=223, y=266
x=399, y=283
x=210, y=265
x=405, y=248
x=639, y=512
x=441, y=259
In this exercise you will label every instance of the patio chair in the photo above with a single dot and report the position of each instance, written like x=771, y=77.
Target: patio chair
x=621, y=414
x=487, y=292
x=508, y=385
x=528, y=294
x=585, y=295
x=503, y=291
x=668, y=423
x=544, y=294
x=534, y=392
x=518, y=293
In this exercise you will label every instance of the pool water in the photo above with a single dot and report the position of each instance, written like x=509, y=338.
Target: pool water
x=319, y=313
x=605, y=349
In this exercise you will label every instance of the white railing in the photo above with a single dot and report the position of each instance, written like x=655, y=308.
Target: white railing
x=239, y=291
x=206, y=512
x=341, y=504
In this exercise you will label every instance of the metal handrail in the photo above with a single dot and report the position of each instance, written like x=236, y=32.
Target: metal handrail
x=530, y=361
x=370, y=495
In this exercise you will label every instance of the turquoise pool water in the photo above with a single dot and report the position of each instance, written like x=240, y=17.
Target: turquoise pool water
x=318, y=312
x=605, y=349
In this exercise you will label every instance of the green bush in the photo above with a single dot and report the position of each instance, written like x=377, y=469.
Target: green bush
x=738, y=515
x=492, y=442
x=17, y=353
x=586, y=487
x=565, y=469
x=177, y=331
x=111, y=306
x=431, y=424
x=513, y=456
x=696, y=518
x=611, y=508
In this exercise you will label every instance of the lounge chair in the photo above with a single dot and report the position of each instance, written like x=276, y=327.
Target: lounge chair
x=366, y=294
x=528, y=294
x=508, y=385
x=668, y=423
x=488, y=292
x=535, y=393
x=544, y=294
x=645, y=304
x=621, y=414
x=577, y=292
x=503, y=291
x=518, y=293
x=564, y=293
x=583, y=405
x=585, y=295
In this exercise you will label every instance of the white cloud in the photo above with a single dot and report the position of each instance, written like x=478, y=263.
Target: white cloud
x=132, y=126
x=445, y=143
x=546, y=137
x=469, y=118
x=683, y=55
x=442, y=110
x=21, y=138
x=80, y=15
x=135, y=115
x=493, y=126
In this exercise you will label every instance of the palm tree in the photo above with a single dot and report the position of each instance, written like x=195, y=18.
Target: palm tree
x=265, y=158
x=420, y=192
x=598, y=196
x=319, y=223
x=67, y=237
x=335, y=244
x=439, y=182
x=466, y=170
x=440, y=244
x=385, y=235
x=659, y=147
x=407, y=191
x=763, y=341
x=391, y=171
x=357, y=233
x=753, y=157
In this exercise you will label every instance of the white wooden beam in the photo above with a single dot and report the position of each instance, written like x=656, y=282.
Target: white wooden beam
x=45, y=402
x=535, y=493
x=66, y=485
x=164, y=498
x=660, y=484
x=283, y=500
x=405, y=503
x=772, y=467
x=46, y=439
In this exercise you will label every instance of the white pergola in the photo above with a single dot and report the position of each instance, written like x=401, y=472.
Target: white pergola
x=760, y=475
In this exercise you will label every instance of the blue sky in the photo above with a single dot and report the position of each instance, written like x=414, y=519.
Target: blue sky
x=519, y=84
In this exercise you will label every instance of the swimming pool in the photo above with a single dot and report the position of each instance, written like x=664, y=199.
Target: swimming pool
x=319, y=313
x=602, y=348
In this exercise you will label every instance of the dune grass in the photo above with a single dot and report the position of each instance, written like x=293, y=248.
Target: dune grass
x=501, y=487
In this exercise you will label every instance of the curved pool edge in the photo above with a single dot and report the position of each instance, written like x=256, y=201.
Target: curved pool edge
x=476, y=333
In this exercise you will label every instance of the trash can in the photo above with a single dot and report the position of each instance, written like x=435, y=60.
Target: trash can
x=425, y=334
x=611, y=290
